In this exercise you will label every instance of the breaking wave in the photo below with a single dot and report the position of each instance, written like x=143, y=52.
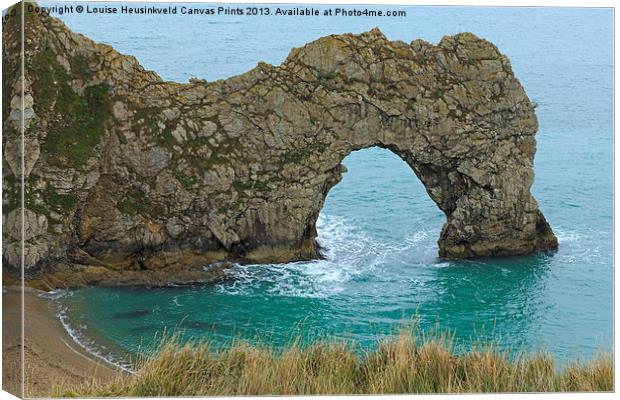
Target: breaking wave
x=350, y=254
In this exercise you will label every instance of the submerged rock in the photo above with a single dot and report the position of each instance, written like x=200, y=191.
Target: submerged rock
x=131, y=314
x=128, y=172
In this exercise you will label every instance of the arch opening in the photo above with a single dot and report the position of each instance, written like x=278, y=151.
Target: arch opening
x=380, y=198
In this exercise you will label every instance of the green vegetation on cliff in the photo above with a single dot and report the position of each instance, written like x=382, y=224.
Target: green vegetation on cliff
x=42, y=201
x=71, y=141
x=407, y=363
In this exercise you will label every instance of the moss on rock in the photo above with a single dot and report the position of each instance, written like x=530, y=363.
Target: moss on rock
x=71, y=140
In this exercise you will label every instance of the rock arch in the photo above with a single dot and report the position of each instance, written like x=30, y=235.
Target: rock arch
x=129, y=171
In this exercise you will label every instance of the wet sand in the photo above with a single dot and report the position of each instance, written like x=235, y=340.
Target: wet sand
x=52, y=358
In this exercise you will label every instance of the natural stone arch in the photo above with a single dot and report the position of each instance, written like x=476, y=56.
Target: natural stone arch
x=183, y=174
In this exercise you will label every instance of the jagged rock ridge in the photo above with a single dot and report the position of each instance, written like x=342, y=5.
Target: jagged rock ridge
x=127, y=172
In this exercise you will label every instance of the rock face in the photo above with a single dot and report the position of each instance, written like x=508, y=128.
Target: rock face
x=126, y=171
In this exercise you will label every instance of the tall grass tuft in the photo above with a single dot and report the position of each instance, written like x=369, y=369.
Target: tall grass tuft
x=408, y=362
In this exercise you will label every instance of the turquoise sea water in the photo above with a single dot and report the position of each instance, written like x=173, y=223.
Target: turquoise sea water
x=378, y=225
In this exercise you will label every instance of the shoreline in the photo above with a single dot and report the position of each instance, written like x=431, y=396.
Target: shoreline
x=89, y=345
x=52, y=357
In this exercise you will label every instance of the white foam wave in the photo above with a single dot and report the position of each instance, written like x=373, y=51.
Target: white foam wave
x=76, y=335
x=583, y=247
x=56, y=294
x=89, y=345
x=350, y=254
x=567, y=236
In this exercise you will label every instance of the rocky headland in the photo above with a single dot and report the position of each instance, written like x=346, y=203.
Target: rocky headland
x=131, y=179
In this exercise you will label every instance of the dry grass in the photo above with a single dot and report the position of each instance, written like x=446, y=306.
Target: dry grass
x=405, y=363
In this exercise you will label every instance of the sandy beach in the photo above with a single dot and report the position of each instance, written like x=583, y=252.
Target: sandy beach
x=52, y=357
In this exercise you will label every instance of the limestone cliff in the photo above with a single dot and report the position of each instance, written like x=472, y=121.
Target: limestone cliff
x=124, y=171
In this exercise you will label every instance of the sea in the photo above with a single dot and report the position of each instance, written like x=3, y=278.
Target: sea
x=379, y=227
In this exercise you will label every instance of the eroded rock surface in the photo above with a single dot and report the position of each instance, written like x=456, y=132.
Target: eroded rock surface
x=126, y=171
